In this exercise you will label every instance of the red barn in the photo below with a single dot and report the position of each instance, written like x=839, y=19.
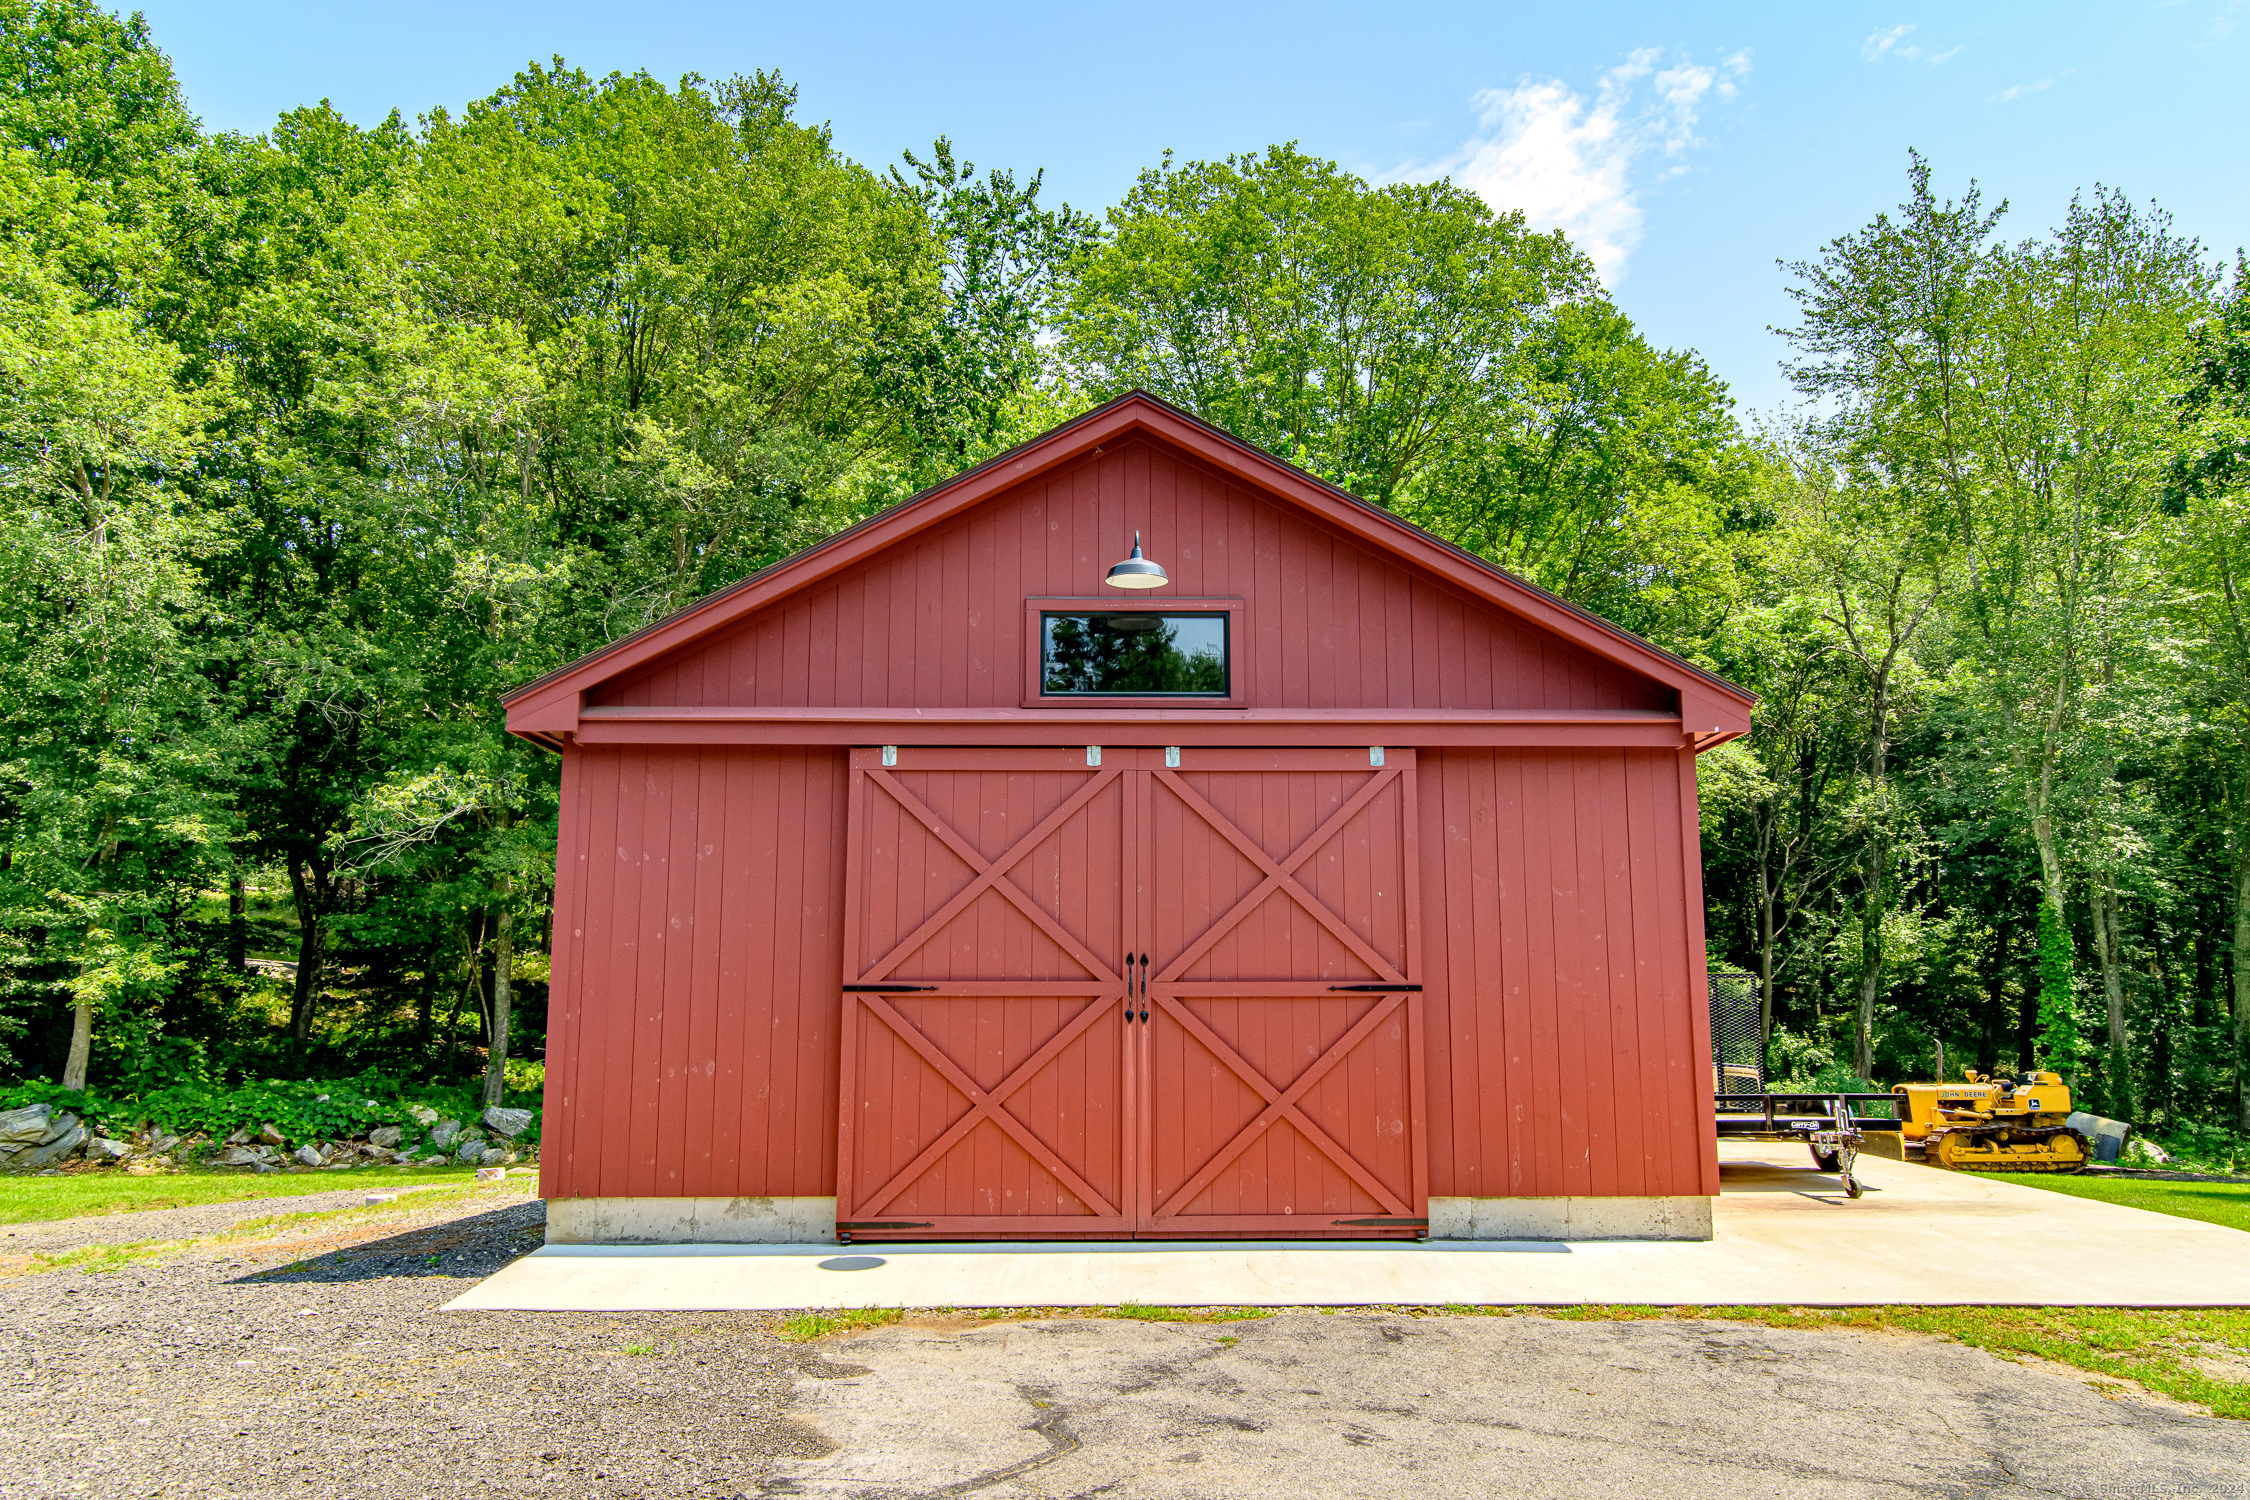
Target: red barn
x=929, y=885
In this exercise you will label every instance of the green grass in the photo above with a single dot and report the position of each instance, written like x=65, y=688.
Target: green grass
x=25, y=1200
x=2158, y=1349
x=812, y=1325
x=2214, y=1202
x=1142, y=1313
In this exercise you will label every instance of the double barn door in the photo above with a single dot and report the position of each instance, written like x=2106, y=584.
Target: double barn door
x=1139, y=993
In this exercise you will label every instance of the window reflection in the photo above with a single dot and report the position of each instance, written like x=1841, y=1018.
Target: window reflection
x=1138, y=652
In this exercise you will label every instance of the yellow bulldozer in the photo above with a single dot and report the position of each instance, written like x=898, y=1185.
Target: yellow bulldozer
x=1988, y=1124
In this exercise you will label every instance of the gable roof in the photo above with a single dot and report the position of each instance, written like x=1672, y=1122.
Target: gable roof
x=1711, y=707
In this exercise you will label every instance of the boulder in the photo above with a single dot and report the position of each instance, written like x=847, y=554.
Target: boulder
x=445, y=1133
x=162, y=1141
x=385, y=1136
x=26, y=1126
x=235, y=1156
x=263, y=1166
x=494, y=1157
x=307, y=1155
x=471, y=1149
x=508, y=1122
x=46, y=1154
x=268, y=1136
x=102, y=1148
x=422, y=1115
x=239, y=1138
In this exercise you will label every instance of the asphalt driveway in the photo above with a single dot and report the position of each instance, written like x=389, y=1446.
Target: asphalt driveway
x=1385, y=1404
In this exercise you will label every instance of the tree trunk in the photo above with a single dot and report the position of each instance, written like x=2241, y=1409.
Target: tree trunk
x=2242, y=990
x=503, y=992
x=304, y=884
x=2108, y=941
x=238, y=922
x=81, y=1043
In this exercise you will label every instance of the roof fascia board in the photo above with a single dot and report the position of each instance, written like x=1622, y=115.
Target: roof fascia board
x=1382, y=530
x=886, y=529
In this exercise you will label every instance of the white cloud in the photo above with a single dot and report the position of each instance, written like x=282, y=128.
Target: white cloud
x=2017, y=91
x=1886, y=44
x=1573, y=162
x=1881, y=46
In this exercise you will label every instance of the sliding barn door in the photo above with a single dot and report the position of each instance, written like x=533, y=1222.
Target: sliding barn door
x=1278, y=911
x=984, y=1091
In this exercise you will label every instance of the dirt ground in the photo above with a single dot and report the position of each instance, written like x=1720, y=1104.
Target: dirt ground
x=312, y=1359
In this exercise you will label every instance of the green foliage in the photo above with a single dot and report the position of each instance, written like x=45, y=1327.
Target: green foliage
x=302, y=1110
x=2058, y=995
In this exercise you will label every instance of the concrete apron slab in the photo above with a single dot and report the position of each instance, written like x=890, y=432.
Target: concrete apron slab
x=1782, y=1234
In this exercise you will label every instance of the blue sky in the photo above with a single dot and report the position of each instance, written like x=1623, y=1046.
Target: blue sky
x=1687, y=148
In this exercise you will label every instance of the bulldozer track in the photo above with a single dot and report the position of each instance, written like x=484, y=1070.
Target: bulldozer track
x=1986, y=1148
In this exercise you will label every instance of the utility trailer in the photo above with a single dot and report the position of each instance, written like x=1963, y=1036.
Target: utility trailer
x=1832, y=1126
x=1829, y=1125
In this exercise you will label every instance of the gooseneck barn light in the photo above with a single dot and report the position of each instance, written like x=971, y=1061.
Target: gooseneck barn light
x=1136, y=571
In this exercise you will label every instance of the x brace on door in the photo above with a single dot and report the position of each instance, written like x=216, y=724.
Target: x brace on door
x=988, y=875
x=986, y=1106
x=1280, y=875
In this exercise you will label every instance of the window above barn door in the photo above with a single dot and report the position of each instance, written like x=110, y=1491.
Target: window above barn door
x=1180, y=653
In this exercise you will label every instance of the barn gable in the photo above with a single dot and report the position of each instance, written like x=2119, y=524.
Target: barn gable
x=1346, y=609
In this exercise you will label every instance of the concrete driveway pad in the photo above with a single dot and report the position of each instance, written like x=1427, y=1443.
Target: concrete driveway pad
x=1377, y=1405
x=1784, y=1234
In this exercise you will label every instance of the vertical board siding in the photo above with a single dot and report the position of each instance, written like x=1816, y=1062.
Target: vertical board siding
x=698, y=985
x=1567, y=1043
x=937, y=621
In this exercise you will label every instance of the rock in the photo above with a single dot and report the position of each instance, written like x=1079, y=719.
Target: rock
x=52, y=1151
x=472, y=1149
x=493, y=1157
x=263, y=1166
x=307, y=1155
x=445, y=1133
x=239, y=1138
x=26, y=1126
x=235, y=1156
x=162, y=1142
x=60, y=1126
x=422, y=1115
x=268, y=1136
x=385, y=1136
x=508, y=1122
x=102, y=1148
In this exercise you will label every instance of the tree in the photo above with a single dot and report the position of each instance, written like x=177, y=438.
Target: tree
x=2208, y=502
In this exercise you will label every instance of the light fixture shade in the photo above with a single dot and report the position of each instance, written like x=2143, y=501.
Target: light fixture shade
x=1136, y=571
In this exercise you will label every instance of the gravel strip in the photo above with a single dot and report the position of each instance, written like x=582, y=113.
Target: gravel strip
x=319, y=1364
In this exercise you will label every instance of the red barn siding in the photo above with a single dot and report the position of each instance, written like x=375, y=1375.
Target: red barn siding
x=695, y=1053
x=938, y=620
x=1561, y=981
x=695, y=1050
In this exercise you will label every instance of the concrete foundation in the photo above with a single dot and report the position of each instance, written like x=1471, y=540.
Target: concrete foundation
x=691, y=1221
x=1570, y=1218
